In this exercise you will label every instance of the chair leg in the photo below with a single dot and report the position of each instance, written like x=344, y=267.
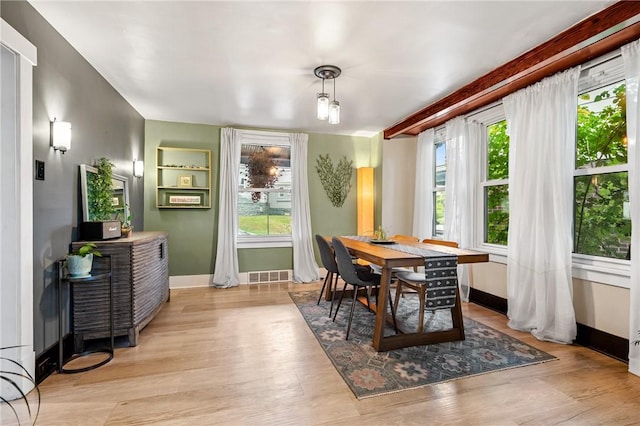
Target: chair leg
x=393, y=312
x=333, y=294
x=353, y=304
x=324, y=284
x=422, y=294
x=340, y=301
x=398, y=292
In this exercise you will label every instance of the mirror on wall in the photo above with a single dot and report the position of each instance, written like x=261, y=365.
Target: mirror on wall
x=120, y=194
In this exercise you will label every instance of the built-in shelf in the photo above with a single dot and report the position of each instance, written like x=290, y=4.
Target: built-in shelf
x=183, y=178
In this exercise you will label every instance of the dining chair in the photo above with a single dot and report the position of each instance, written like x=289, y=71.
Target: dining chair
x=359, y=279
x=417, y=281
x=329, y=262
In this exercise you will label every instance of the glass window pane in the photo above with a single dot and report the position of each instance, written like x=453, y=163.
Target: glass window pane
x=264, y=166
x=438, y=218
x=498, y=151
x=602, y=127
x=441, y=164
x=602, y=226
x=270, y=215
x=496, y=226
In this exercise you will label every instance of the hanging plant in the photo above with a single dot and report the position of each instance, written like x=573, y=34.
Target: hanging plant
x=336, y=182
x=262, y=172
x=100, y=191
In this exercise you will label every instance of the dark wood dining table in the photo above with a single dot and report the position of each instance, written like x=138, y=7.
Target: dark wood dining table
x=387, y=258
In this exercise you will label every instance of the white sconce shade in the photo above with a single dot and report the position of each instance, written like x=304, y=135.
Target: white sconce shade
x=61, y=135
x=138, y=168
x=323, y=106
x=334, y=112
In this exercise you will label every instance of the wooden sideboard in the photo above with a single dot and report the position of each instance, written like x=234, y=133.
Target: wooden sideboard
x=140, y=288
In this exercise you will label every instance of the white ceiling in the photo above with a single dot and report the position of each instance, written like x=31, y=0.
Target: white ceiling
x=251, y=63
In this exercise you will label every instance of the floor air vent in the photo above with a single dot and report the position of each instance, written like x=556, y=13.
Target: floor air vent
x=268, y=277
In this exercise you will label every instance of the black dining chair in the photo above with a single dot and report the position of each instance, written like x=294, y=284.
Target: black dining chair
x=358, y=279
x=329, y=262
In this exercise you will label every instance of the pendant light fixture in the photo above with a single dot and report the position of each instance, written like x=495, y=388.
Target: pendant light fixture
x=325, y=109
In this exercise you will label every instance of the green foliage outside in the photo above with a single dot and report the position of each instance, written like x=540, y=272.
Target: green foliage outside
x=265, y=225
x=600, y=228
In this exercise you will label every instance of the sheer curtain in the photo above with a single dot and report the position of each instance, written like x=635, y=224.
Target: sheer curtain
x=541, y=121
x=462, y=174
x=226, y=272
x=631, y=57
x=305, y=268
x=423, y=198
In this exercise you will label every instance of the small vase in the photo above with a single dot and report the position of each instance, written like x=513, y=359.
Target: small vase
x=79, y=266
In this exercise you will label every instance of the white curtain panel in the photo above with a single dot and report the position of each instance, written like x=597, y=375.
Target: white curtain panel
x=631, y=57
x=462, y=170
x=423, y=198
x=541, y=121
x=226, y=273
x=305, y=268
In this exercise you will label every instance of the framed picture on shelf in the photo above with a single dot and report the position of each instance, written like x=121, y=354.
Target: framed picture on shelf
x=185, y=181
x=187, y=200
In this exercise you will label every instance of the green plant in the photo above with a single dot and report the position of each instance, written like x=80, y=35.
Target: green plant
x=126, y=222
x=100, y=191
x=85, y=249
x=12, y=375
x=336, y=182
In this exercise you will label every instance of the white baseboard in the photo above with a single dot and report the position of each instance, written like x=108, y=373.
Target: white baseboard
x=206, y=280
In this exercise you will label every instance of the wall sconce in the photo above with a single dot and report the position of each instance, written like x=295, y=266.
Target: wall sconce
x=138, y=168
x=61, y=135
x=365, y=195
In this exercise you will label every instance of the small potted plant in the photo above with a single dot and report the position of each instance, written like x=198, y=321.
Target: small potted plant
x=79, y=263
x=126, y=227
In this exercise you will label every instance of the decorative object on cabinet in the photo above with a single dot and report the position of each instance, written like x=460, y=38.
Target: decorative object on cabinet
x=103, y=275
x=336, y=182
x=79, y=262
x=140, y=287
x=178, y=190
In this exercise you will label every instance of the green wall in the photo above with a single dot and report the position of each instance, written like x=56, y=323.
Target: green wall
x=193, y=234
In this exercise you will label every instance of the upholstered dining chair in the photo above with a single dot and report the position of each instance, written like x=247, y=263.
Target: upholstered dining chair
x=329, y=262
x=417, y=281
x=358, y=279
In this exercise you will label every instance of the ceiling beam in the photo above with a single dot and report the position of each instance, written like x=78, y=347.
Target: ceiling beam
x=591, y=37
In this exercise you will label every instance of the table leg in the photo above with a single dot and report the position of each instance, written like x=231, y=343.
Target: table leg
x=381, y=311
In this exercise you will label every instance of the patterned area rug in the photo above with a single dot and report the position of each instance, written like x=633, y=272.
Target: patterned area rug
x=369, y=373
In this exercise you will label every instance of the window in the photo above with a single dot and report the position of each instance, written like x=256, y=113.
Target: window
x=602, y=225
x=439, y=180
x=264, y=191
x=496, y=187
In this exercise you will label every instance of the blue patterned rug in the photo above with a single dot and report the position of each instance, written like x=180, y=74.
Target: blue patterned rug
x=369, y=373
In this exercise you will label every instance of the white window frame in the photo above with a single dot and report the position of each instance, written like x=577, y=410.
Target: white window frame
x=256, y=137
x=490, y=115
x=440, y=138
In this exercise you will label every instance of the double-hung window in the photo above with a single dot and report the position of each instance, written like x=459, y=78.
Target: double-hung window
x=602, y=225
x=264, y=190
x=439, y=180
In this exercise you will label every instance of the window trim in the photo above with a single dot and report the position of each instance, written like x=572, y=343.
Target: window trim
x=257, y=137
x=439, y=138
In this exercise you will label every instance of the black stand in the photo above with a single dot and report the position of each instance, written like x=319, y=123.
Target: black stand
x=72, y=282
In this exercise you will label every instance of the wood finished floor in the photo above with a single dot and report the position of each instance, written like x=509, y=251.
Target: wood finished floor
x=245, y=356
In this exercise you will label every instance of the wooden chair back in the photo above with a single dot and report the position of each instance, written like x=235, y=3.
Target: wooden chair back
x=441, y=242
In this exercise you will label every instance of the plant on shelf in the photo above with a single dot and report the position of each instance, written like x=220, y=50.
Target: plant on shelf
x=15, y=380
x=100, y=191
x=79, y=263
x=126, y=227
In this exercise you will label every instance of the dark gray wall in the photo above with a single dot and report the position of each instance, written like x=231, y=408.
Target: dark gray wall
x=67, y=87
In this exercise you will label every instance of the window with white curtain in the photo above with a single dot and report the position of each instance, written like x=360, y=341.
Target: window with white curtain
x=439, y=180
x=602, y=225
x=264, y=190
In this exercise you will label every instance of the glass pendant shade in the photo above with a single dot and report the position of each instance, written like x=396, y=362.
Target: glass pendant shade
x=334, y=112
x=323, y=106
